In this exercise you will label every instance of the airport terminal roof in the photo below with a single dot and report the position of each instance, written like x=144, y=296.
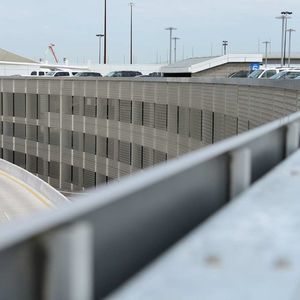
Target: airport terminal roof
x=12, y=57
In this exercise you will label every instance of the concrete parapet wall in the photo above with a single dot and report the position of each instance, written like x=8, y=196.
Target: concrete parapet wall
x=76, y=133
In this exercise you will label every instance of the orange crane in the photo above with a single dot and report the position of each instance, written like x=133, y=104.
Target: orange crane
x=52, y=51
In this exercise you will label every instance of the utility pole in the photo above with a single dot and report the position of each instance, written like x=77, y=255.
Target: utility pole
x=175, y=47
x=131, y=4
x=266, y=52
x=170, y=53
x=105, y=34
x=290, y=43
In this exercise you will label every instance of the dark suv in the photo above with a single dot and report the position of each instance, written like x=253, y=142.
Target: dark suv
x=124, y=74
x=88, y=74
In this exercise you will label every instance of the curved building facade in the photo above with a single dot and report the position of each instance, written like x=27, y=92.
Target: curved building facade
x=76, y=133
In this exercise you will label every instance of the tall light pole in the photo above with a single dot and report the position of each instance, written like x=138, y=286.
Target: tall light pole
x=131, y=4
x=170, y=53
x=290, y=43
x=286, y=13
x=284, y=16
x=105, y=35
x=225, y=44
x=99, y=35
x=266, y=52
x=175, y=47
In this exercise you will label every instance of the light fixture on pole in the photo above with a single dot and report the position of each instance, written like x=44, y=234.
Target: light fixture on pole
x=290, y=43
x=266, y=52
x=99, y=35
x=175, y=47
x=225, y=44
x=131, y=4
x=105, y=35
x=170, y=53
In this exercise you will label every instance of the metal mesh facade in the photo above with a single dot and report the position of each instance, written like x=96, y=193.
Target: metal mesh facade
x=77, y=133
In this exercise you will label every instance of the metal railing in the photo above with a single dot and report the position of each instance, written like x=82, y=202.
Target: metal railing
x=89, y=249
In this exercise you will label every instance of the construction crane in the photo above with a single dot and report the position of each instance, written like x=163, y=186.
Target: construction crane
x=52, y=51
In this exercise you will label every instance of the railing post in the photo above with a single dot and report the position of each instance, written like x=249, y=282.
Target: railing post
x=240, y=171
x=68, y=269
x=292, y=138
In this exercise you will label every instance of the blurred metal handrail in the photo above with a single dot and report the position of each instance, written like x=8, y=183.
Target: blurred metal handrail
x=127, y=224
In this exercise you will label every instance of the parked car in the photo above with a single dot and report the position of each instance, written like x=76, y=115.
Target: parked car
x=289, y=74
x=39, y=73
x=156, y=74
x=88, y=74
x=61, y=73
x=124, y=74
x=240, y=74
x=265, y=73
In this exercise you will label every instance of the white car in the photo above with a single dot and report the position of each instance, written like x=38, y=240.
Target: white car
x=265, y=73
x=61, y=73
x=288, y=74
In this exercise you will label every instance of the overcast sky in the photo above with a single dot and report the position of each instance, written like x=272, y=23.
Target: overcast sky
x=28, y=26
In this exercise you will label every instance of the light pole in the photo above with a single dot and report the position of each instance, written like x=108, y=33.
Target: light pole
x=225, y=44
x=284, y=16
x=170, y=53
x=105, y=35
x=131, y=4
x=99, y=35
x=175, y=47
x=290, y=43
x=286, y=13
x=266, y=52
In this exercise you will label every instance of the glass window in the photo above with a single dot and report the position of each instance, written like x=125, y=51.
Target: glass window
x=269, y=73
x=255, y=74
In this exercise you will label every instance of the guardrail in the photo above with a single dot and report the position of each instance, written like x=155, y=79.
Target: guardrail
x=89, y=249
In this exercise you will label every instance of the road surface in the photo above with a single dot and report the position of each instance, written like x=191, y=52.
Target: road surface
x=17, y=199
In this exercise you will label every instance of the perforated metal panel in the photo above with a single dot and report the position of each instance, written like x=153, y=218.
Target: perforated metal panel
x=130, y=124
